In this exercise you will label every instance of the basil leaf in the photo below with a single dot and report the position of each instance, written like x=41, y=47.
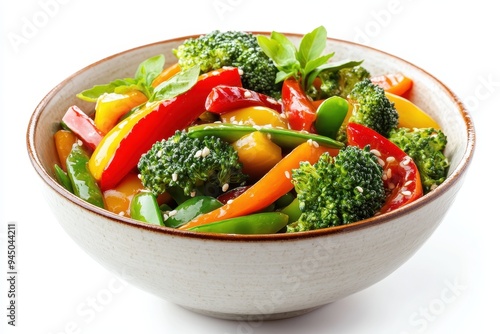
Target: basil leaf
x=334, y=66
x=314, y=63
x=149, y=69
x=92, y=94
x=178, y=84
x=280, y=50
x=281, y=76
x=312, y=45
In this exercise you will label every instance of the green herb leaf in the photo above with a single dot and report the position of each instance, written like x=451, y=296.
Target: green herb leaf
x=311, y=65
x=280, y=50
x=92, y=94
x=312, y=45
x=149, y=69
x=330, y=66
x=178, y=84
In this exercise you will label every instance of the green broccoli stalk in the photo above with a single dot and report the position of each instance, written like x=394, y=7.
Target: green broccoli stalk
x=338, y=190
x=207, y=166
x=338, y=82
x=231, y=48
x=426, y=147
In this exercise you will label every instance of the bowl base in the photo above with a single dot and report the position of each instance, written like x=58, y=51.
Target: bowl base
x=252, y=317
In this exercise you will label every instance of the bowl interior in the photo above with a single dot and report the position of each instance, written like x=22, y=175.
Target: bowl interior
x=428, y=92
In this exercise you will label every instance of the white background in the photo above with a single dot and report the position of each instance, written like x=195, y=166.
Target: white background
x=449, y=286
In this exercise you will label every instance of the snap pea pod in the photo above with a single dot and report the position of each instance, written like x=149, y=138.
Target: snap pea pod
x=330, y=116
x=144, y=207
x=63, y=178
x=292, y=210
x=83, y=183
x=191, y=209
x=284, y=138
x=257, y=223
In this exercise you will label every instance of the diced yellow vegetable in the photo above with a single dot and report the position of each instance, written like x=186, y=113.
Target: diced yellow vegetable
x=255, y=116
x=257, y=153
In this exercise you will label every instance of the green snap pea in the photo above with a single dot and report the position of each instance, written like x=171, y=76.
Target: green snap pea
x=285, y=138
x=83, y=183
x=257, y=223
x=144, y=207
x=284, y=200
x=292, y=210
x=190, y=209
x=63, y=178
x=330, y=115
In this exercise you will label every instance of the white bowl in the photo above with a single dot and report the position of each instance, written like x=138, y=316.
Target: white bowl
x=258, y=276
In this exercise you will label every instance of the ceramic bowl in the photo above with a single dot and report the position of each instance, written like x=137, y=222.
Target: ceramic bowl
x=258, y=276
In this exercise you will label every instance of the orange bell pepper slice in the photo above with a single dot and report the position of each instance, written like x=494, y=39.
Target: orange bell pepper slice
x=395, y=83
x=64, y=141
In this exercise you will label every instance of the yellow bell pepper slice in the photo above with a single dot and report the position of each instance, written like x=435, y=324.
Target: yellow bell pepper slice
x=410, y=115
x=111, y=106
x=257, y=115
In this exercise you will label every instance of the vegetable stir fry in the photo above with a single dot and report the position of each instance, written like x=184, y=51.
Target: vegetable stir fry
x=251, y=134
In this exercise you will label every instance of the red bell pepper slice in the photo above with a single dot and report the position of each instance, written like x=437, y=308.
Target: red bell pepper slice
x=401, y=175
x=225, y=98
x=299, y=110
x=83, y=127
x=112, y=161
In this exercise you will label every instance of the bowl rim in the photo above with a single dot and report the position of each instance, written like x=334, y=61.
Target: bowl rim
x=452, y=178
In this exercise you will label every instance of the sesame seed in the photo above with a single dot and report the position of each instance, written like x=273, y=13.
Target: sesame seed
x=225, y=187
x=240, y=71
x=407, y=183
x=257, y=127
x=165, y=216
x=313, y=143
x=197, y=154
x=174, y=177
x=381, y=162
x=389, y=173
x=121, y=213
x=287, y=174
x=390, y=159
x=205, y=152
x=159, y=153
x=247, y=94
x=406, y=193
x=230, y=201
x=376, y=152
x=358, y=188
x=384, y=176
x=391, y=186
x=172, y=213
x=193, y=193
x=79, y=142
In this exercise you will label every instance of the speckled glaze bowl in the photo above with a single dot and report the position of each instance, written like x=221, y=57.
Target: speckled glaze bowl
x=257, y=276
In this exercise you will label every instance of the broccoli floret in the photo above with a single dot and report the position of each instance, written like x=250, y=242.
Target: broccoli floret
x=371, y=108
x=426, y=147
x=232, y=48
x=338, y=190
x=202, y=165
x=338, y=82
